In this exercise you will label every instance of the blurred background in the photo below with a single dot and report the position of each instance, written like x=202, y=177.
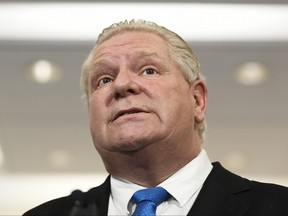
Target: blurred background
x=45, y=145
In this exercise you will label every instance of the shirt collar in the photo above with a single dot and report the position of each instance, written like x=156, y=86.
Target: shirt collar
x=189, y=179
x=121, y=192
x=181, y=185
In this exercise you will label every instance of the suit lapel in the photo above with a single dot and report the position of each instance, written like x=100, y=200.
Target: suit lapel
x=100, y=196
x=218, y=195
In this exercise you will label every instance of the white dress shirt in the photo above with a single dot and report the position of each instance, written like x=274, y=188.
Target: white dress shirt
x=184, y=187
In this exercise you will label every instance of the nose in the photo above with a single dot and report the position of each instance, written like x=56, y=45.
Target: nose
x=125, y=85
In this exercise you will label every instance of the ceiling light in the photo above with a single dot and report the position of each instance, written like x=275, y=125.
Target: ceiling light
x=251, y=73
x=235, y=160
x=43, y=71
x=1, y=157
x=192, y=21
x=59, y=159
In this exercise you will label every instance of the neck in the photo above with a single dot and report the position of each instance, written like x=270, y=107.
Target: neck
x=147, y=168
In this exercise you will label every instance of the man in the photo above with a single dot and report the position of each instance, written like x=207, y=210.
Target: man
x=147, y=102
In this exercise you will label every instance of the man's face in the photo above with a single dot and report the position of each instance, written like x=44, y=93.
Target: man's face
x=138, y=95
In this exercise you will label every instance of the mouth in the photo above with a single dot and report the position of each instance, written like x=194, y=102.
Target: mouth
x=128, y=112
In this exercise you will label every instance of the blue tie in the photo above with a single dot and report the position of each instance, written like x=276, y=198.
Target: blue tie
x=147, y=200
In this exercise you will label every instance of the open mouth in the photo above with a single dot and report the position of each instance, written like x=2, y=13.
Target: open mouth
x=128, y=112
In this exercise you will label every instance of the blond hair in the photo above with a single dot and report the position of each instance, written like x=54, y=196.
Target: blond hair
x=179, y=51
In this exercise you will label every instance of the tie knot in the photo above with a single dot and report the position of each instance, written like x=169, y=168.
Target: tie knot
x=156, y=195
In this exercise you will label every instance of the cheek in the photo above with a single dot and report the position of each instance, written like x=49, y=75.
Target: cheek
x=97, y=122
x=101, y=97
x=178, y=104
x=96, y=112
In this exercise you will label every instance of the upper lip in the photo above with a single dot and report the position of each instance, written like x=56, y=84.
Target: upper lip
x=128, y=111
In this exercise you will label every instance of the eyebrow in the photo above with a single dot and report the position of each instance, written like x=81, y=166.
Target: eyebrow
x=148, y=54
x=98, y=63
x=96, y=66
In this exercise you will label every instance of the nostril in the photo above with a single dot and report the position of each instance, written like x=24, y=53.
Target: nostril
x=124, y=94
x=117, y=95
x=124, y=89
x=131, y=91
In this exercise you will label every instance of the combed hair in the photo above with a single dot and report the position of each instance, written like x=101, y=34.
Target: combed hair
x=179, y=51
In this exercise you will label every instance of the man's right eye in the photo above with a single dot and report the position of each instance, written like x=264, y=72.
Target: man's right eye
x=104, y=81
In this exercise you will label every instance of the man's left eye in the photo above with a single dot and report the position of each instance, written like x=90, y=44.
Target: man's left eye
x=149, y=71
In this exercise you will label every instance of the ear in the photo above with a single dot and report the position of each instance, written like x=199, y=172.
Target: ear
x=199, y=90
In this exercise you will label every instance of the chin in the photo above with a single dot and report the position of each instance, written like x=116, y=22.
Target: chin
x=129, y=146
x=128, y=142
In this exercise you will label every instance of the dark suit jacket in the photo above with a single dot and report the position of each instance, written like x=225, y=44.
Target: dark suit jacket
x=223, y=193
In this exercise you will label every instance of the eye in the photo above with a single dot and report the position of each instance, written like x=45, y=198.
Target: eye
x=104, y=81
x=149, y=71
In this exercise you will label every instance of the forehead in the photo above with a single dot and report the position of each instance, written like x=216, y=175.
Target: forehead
x=131, y=43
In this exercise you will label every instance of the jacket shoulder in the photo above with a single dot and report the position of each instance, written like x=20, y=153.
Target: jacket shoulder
x=267, y=198
x=77, y=203
x=261, y=197
x=59, y=206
